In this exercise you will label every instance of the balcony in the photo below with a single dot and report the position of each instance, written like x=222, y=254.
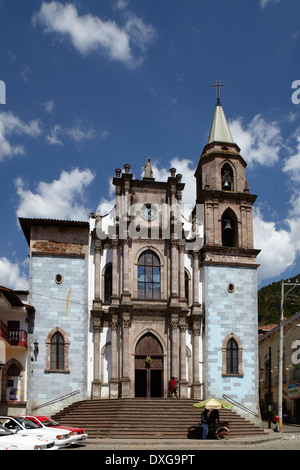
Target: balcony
x=13, y=337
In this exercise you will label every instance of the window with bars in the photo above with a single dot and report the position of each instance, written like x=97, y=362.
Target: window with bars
x=57, y=352
x=148, y=276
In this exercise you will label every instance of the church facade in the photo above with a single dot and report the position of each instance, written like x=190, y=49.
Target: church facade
x=128, y=300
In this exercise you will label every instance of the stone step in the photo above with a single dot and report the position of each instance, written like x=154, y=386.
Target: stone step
x=144, y=418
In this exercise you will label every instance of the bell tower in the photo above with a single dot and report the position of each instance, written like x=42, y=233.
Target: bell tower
x=228, y=268
x=223, y=189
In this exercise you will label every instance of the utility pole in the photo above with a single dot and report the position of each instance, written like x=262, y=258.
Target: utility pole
x=270, y=388
x=280, y=365
x=280, y=359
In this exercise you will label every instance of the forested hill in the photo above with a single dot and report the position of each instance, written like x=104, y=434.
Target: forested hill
x=269, y=298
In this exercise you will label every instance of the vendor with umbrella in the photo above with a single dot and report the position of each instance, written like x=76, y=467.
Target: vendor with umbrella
x=214, y=405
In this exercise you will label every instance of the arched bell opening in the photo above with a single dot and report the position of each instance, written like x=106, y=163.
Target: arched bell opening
x=227, y=177
x=229, y=229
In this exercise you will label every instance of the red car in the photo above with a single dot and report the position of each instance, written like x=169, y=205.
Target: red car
x=77, y=434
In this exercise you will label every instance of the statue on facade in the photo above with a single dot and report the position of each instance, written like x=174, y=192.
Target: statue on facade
x=148, y=173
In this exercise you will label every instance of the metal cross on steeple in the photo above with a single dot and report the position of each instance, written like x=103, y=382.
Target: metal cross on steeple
x=218, y=85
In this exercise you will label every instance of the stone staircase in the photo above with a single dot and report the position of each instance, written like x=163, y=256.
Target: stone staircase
x=144, y=418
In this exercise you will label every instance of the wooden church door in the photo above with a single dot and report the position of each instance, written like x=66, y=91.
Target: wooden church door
x=148, y=367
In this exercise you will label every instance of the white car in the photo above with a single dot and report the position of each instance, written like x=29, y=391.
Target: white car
x=77, y=434
x=61, y=438
x=14, y=441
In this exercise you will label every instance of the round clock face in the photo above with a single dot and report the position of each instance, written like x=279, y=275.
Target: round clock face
x=149, y=212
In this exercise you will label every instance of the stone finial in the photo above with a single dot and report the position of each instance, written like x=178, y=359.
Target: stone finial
x=127, y=167
x=118, y=172
x=173, y=172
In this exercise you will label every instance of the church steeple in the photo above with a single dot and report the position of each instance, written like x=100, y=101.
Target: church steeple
x=220, y=131
x=223, y=189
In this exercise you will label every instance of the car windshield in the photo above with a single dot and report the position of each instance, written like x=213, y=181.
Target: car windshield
x=5, y=432
x=50, y=422
x=26, y=423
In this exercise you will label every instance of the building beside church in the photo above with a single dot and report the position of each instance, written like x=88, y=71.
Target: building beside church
x=127, y=300
x=14, y=314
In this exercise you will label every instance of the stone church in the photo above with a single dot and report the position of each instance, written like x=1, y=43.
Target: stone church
x=129, y=299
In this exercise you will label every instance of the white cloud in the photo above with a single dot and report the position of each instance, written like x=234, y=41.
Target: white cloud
x=292, y=164
x=260, y=141
x=10, y=125
x=184, y=167
x=265, y=3
x=49, y=106
x=11, y=275
x=52, y=138
x=61, y=199
x=122, y=4
x=277, y=247
x=78, y=133
x=89, y=33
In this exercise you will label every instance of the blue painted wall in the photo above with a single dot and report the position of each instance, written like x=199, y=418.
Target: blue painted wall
x=58, y=305
x=227, y=313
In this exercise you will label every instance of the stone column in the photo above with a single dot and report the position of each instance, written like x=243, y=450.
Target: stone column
x=196, y=382
x=126, y=297
x=249, y=218
x=96, y=384
x=175, y=347
x=114, y=382
x=183, y=379
x=196, y=255
x=115, y=293
x=97, y=295
x=174, y=269
x=125, y=381
x=181, y=273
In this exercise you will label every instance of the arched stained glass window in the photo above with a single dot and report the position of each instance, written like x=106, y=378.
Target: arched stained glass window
x=148, y=276
x=57, y=352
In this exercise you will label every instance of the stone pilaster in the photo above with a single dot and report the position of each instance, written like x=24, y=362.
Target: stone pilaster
x=97, y=296
x=114, y=381
x=175, y=346
x=125, y=381
x=183, y=379
x=196, y=388
x=96, y=384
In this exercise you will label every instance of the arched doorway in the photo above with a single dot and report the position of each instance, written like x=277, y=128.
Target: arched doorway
x=12, y=382
x=148, y=367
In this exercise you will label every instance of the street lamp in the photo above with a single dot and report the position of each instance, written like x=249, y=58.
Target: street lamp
x=280, y=360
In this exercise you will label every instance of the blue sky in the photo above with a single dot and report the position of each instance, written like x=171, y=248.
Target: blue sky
x=94, y=84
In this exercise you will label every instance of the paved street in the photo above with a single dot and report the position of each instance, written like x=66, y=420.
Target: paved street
x=289, y=439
